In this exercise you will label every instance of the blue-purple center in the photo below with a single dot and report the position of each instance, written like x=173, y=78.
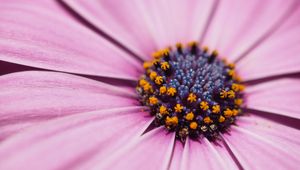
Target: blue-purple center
x=191, y=91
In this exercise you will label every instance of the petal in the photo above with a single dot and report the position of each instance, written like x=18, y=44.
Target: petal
x=278, y=55
x=143, y=26
x=262, y=144
x=206, y=155
x=152, y=150
x=278, y=97
x=33, y=96
x=34, y=35
x=239, y=25
x=67, y=142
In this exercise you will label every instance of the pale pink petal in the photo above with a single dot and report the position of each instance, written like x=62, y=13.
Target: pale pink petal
x=144, y=26
x=278, y=97
x=206, y=155
x=238, y=25
x=33, y=96
x=261, y=144
x=175, y=163
x=279, y=55
x=152, y=151
x=67, y=142
x=37, y=36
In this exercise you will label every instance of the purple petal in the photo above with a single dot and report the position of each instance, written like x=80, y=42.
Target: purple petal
x=34, y=35
x=68, y=142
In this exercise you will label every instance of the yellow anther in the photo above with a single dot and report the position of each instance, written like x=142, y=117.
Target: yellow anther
x=235, y=87
x=171, y=121
x=192, y=97
x=142, y=82
x=204, y=105
x=223, y=94
x=231, y=65
x=178, y=108
x=231, y=73
x=171, y=91
x=215, y=53
x=221, y=119
x=231, y=94
x=216, y=108
x=153, y=75
x=205, y=49
x=162, y=89
x=153, y=100
x=163, y=110
x=157, y=54
x=155, y=62
x=147, y=87
x=193, y=43
x=238, y=102
x=159, y=80
x=165, y=65
x=179, y=45
x=228, y=113
x=189, y=116
x=242, y=87
x=147, y=64
x=235, y=112
x=207, y=120
x=166, y=51
x=193, y=125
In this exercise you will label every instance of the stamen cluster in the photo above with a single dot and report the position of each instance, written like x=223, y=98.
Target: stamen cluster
x=191, y=91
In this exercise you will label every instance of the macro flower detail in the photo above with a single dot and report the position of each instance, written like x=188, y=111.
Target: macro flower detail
x=97, y=84
x=198, y=78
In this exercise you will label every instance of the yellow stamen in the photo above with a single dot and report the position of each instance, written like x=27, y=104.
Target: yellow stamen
x=221, y=119
x=178, y=108
x=231, y=73
x=228, y=112
x=235, y=87
x=204, y=105
x=231, y=65
x=193, y=43
x=189, y=116
x=231, y=94
x=171, y=91
x=171, y=121
x=163, y=110
x=179, y=45
x=193, y=125
x=215, y=53
x=142, y=82
x=238, y=102
x=223, y=94
x=158, y=80
x=207, y=120
x=165, y=66
x=162, y=89
x=147, y=64
x=216, y=108
x=147, y=87
x=235, y=112
x=153, y=100
x=192, y=97
x=152, y=75
x=205, y=49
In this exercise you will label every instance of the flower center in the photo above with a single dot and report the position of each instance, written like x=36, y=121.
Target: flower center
x=191, y=92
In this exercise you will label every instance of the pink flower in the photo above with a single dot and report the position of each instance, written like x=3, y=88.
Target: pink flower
x=69, y=101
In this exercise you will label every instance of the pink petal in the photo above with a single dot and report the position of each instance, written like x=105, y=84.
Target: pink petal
x=261, y=144
x=144, y=26
x=67, y=142
x=206, y=155
x=36, y=36
x=238, y=25
x=151, y=151
x=277, y=56
x=278, y=97
x=33, y=96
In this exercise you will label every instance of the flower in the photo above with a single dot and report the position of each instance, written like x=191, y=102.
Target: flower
x=58, y=113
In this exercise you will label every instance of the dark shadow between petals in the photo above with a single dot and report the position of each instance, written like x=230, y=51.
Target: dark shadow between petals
x=98, y=31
